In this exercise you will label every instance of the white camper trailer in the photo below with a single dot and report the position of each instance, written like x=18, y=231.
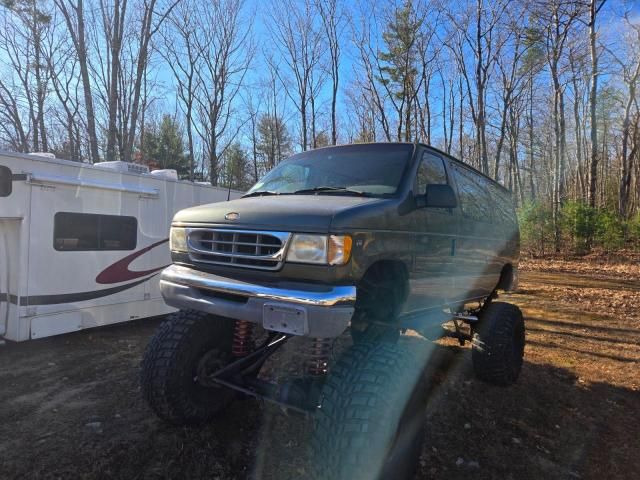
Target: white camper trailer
x=81, y=245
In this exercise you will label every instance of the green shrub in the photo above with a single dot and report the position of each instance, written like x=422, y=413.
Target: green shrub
x=536, y=228
x=581, y=228
x=633, y=231
x=609, y=232
x=578, y=223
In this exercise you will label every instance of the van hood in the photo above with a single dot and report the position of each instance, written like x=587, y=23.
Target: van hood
x=312, y=213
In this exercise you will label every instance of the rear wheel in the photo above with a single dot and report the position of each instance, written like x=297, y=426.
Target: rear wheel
x=498, y=344
x=186, y=347
x=371, y=419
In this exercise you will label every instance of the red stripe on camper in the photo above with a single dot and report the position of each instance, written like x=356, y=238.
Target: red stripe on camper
x=119, y=271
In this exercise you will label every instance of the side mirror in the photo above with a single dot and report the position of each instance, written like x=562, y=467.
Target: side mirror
x=440, y=196
x=6, y=181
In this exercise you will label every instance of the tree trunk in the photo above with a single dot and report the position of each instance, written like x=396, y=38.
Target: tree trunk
x=531, y=154
x=115, y=46
x=78, y=37
x=480, y=84
x=626, y=157
x=593, y=170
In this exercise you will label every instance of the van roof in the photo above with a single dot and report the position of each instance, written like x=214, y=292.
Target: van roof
x=448, y=155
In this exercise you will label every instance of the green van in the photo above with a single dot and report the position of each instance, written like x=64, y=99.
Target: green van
x=372, y=239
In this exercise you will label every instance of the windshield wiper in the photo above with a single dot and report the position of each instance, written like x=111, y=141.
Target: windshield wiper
x=260, y=193
x=331, y=190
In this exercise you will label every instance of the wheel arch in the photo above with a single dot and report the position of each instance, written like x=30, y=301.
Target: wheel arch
x=508, y=278
x=394, y=267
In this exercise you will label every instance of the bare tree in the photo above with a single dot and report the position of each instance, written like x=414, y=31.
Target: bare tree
x=180, y=52
x=296, y=35
x=489, y=81
x=332, y=14
x=577, y=58
x=15, y=131
x=271, y=87
x=62, y=62
x=557, y=18
x=512, y=80
x=22, y=43
x=364, y=31
x=149, y=25
x=225, y=52
x=482, y=39
x=253, y=109
x=630, y=72
x=73, y=13
x=113, y=26
x=594, y=8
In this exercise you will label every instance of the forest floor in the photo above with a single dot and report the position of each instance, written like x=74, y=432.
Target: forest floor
x=70, y=406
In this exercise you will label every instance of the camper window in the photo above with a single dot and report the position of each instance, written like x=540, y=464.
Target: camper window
x=89, y=232
x=5, y=181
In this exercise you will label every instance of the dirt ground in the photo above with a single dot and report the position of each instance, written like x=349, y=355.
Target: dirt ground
x=70, y=406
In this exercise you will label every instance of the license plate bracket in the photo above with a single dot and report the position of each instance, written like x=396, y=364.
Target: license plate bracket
x=285, y=319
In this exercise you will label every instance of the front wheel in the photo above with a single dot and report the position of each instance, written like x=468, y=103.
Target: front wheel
x=498, y=344
x=186, y=347
x=371, y=418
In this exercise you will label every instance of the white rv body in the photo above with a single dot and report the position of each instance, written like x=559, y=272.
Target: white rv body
x=53, y=280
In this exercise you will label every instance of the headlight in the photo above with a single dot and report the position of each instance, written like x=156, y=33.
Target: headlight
x=320, y=249
x=178, y=239
x=308, y=249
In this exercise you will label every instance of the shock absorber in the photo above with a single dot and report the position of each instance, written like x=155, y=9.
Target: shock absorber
x=242, y=338
x=318, y=359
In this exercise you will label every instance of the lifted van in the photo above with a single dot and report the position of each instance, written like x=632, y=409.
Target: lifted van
x=374, y=239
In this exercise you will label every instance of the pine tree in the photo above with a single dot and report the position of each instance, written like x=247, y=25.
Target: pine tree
x=237, y=168
x=274, y=142
x=399, y=70
x=164, y=147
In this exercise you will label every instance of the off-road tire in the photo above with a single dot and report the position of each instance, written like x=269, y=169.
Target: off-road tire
x=375, y=334
x=371, y=419
x=498, y=344
x=169, y=367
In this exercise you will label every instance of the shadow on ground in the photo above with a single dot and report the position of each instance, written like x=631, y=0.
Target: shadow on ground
x=71, y=408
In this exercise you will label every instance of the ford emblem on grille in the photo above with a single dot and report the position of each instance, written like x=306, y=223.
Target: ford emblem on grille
x=232, y=216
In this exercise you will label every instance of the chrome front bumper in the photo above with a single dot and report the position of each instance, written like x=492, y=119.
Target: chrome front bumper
x=295, y=308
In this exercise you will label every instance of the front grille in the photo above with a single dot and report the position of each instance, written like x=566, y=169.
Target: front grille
x=240, y=248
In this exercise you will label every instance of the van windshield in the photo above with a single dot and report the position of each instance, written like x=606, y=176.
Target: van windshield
x=368, y=169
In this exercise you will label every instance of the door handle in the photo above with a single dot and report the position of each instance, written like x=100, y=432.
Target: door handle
x=453, y=247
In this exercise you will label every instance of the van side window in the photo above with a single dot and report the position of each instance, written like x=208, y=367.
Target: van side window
x=77, y=232
x=473, y=195
x=504, y=205
x=431, y=170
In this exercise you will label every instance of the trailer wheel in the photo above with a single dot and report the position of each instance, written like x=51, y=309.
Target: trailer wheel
x=498, y=344
x=371, y=419
x=186, y=345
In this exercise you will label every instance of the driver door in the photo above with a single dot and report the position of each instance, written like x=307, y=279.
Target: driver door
x=435, y=230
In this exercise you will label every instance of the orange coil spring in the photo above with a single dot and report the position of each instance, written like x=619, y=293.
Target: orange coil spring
x=318, y=360
x=242, y=338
